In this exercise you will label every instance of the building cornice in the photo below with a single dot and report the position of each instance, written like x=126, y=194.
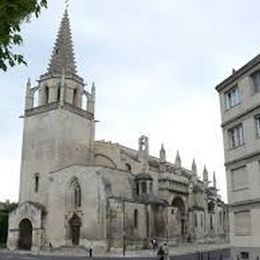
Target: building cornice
x=237, y=74
x=248, y=111
x=250, y=156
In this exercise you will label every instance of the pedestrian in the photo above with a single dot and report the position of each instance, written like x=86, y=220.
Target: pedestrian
x=50, y=246
x=166, y=251
x=160, y=253
x=153, y=243
x=90, y=250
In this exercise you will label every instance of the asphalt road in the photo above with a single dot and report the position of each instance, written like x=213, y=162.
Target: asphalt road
x=214, y=255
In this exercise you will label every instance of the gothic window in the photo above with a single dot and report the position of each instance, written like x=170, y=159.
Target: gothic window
x=232, y=97
x=75, y=194
x=36, y=182
x=211, y=207
x=143, y=144
x=135, y=218
x=137, y=188
x=195, y=219
x=211, y=222
x=201, y=220
x=58, y=93
x=151, y=187
x=147, y=224
x=46, y=93
x=236, y=137
x=74, y=101
x=143, y=186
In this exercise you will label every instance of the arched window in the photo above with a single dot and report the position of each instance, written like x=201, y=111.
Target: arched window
x=36, y=182
x=75, y=194
x=147, y=224
x=46, y=93
x=135, y=218
x=195, y=219
x=211, y=222
x=74, y=101
x=58, y=93
x=137, y=188
x=211, y=207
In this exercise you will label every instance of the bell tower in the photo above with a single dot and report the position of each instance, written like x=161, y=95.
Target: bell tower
x=59, y=127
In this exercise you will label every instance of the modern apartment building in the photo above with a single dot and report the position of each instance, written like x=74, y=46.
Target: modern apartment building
x=240, y=111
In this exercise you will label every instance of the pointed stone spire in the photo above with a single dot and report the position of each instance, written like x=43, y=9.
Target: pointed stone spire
x=28, y=95
x=214, y=180
x=91, y=99
x=178, y=160
x=28, y=84
x=194, y=168
x=205, y=175
x=162, y=154
x=93, y=88
x=63, y=54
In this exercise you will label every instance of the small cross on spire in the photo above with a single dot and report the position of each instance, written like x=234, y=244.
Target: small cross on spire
x=67, y=4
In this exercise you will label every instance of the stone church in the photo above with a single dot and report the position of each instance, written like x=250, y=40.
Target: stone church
x=75, y=190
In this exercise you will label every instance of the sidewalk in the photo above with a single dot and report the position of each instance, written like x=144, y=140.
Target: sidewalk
x=178, y=250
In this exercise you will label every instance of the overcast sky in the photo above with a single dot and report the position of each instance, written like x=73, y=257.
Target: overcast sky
x=155, y=64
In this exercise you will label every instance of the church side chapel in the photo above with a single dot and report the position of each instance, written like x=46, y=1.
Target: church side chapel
x=75, y=190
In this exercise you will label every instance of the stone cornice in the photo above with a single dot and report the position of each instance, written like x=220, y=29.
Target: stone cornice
x=55, y=105
x=245, y=113
x=238, y=73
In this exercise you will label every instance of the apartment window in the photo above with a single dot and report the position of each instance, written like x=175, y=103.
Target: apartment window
x=239, y=178
x=236, y=136
x=256, y=81
x=242, y=223
x=257, y=121
x=232, y=97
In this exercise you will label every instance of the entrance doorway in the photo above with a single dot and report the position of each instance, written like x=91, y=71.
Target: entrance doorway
x=25, y=234
x=179, y=204
x=75, y=224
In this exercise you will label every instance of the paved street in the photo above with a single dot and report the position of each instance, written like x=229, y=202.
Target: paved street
x=222, y=254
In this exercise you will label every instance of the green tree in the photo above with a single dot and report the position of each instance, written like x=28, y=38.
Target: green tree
x=5, y=209
x=12, y=14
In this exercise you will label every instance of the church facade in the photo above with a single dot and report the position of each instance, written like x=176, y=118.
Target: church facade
x=75, y=190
